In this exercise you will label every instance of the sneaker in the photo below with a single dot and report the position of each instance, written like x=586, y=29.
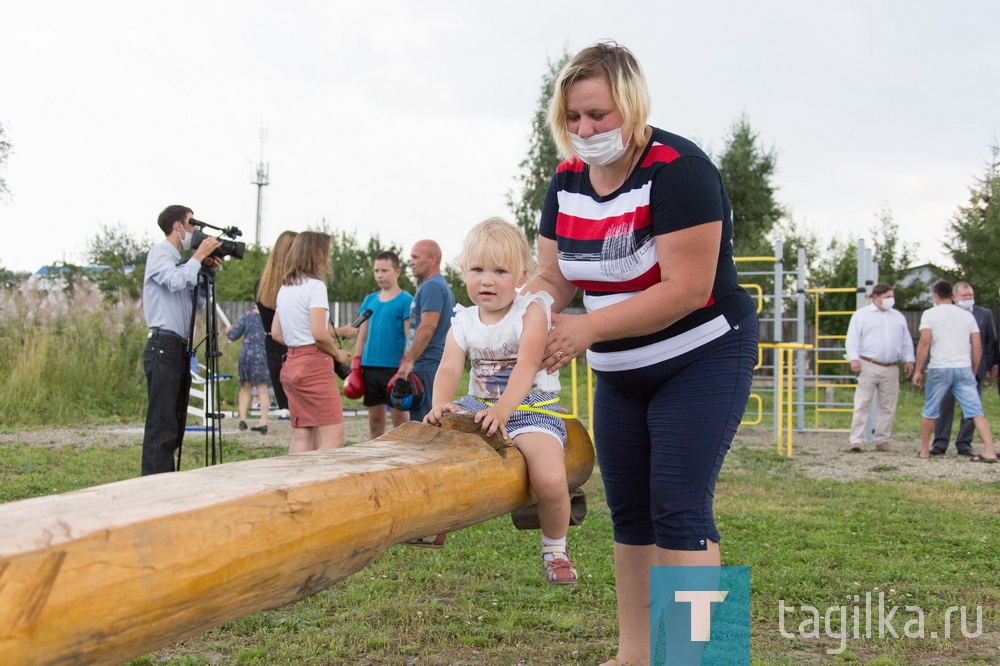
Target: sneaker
x=856, y=448
x=940, y=452
x=559, y=570
x=436, y=541
x=967, y=454
x=885, y=447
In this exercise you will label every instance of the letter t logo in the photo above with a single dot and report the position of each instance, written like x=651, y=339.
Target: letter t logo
x=701, y=610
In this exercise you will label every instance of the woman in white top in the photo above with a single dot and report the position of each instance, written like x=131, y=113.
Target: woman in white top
x=300, y=323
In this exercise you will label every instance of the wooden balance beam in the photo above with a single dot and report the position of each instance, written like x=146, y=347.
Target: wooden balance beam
x=105, y=574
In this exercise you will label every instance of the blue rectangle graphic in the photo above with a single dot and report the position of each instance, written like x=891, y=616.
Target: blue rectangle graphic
x=699, y=615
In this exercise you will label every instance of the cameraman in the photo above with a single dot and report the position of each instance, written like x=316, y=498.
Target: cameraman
x=167, y=302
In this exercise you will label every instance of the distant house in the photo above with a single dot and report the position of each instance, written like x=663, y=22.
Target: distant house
x=55, y=276
x=927, y=274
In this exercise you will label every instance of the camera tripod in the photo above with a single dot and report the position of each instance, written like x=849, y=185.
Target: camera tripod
x=213, y=412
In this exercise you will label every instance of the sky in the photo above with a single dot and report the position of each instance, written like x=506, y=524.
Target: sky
x=408, y=119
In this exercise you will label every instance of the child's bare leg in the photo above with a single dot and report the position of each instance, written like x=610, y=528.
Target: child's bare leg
x=399, y=417
x=547, y=476
x=376, y=421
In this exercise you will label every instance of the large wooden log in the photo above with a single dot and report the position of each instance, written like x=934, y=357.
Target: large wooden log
x=101, y=575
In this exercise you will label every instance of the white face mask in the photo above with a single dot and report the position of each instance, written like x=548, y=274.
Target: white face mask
x=967, y=305
x=186, y=239
x=599, y=149
x=887, y=303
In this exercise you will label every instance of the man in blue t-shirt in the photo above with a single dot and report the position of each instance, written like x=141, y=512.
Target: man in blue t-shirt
x=430, y=319
x=382, y=341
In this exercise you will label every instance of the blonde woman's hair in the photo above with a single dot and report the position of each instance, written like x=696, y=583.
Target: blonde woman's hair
x=615, y=64
x=274, y=271
x=500, y=241
x=309, y=257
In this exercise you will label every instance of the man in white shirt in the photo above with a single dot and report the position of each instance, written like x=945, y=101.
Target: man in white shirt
x=951, y=336
x=877, y=340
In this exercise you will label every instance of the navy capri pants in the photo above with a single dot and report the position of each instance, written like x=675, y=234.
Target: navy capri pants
x=661, y=434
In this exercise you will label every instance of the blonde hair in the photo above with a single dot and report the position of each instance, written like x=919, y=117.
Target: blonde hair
x=309, y=257
x=615, y=64
x=274, y=271
x=500, y=241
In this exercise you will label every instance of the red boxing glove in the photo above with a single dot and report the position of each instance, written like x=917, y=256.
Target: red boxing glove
x=354, y=386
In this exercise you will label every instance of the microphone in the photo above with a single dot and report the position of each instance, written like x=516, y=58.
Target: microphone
x=362, y=318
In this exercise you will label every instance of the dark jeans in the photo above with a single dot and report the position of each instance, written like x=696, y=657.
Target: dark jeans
x=661, y=433
x=168, y=383
x=427, y=379
x=942, y=426
x=275, y=358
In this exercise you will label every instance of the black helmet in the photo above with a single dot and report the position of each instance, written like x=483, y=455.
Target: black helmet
x=406, y=394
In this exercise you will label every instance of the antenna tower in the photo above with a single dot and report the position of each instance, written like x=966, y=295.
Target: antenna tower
x=261, y=180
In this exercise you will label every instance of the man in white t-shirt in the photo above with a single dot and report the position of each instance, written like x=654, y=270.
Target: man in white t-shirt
x=951, y=336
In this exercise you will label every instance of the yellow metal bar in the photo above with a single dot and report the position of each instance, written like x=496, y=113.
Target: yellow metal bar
x=832, y=290
x=590, y=402
x=760, y=411
x=760, y=295
x=739, y=260
x=574, y=392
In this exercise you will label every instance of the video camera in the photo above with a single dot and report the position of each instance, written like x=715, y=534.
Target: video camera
x=229, y=248
x=342, y=369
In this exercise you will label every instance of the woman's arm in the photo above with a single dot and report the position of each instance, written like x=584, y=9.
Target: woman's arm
x=324, y=341
x=687, y=259
x=549, y=276
x=276, y=330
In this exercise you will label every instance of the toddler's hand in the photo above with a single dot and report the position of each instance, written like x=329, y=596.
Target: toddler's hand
x=493, y=419
x=435, y=415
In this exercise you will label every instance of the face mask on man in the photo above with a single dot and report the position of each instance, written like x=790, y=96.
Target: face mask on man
x=967, y=305
x=186, y=239
x=599, y=149
x=887, y=303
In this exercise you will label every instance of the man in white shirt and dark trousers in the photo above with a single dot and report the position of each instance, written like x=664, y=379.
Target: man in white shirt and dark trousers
x=965, y=297
x=951, y=336
x=877, y=340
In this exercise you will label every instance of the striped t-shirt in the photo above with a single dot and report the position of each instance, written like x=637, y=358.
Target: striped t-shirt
x=606, y=244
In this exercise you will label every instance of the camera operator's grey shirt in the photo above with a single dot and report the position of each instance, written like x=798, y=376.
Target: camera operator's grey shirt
x=167, y=288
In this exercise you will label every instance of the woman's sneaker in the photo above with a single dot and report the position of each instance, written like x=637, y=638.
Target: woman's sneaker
x=559, y=570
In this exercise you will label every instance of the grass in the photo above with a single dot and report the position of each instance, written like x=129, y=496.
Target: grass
x=481, y=599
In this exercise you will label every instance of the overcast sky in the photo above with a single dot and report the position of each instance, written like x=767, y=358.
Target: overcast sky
x=409, y=118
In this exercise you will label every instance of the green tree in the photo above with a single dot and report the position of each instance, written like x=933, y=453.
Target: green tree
x=747, y=169
x=974, y=234
x=352, y=266
x=894, y=256
x=236, y=278
x=124, y=255
x=543, y=158
x=5, y=150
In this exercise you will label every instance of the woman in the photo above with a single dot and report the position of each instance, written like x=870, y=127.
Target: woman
x=267, y=295
x=300, y=323
x=251, y=366
x=639, y=219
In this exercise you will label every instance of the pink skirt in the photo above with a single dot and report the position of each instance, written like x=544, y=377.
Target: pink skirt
x=313, y=396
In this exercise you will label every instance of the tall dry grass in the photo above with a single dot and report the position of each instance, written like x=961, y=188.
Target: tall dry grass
x=67, y=356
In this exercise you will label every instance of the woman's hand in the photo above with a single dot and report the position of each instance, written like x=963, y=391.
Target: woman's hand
x=569, y=337
x=435, y=415
x=342, y=355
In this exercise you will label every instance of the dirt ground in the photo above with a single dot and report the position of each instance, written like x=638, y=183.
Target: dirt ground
x=817, y=455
